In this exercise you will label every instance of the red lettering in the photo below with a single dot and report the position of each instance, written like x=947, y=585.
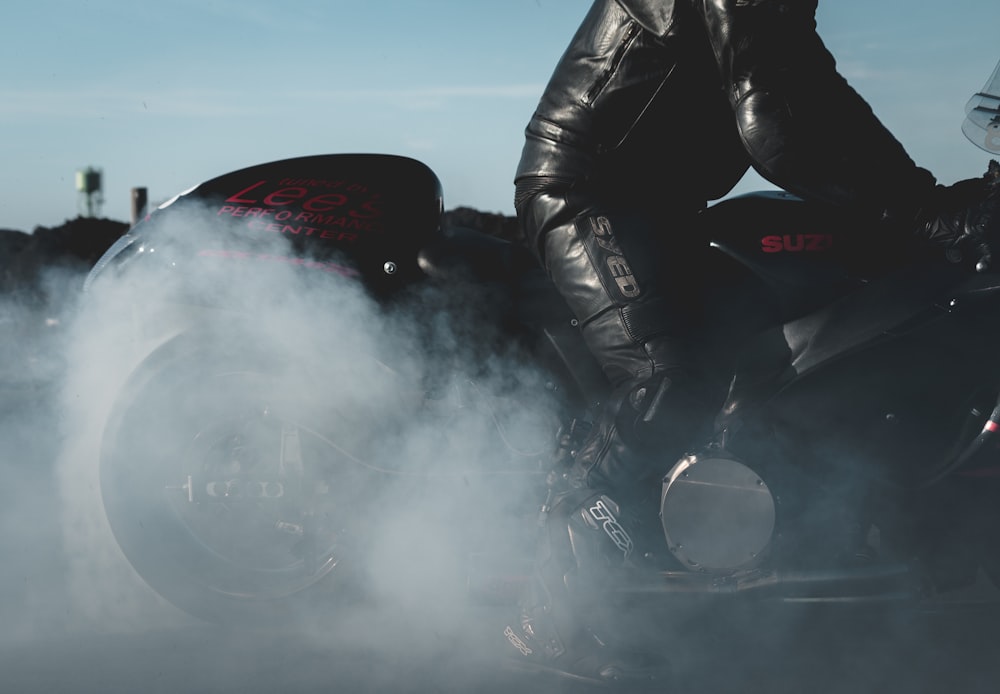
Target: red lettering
x=285, y=196
x=771, y=244
x=324, y=202
x=338, y=235
x=797, y=245
x=818, y=242
x=369, y=207
x=237, y=199
x=794, y=243
x=224, y=209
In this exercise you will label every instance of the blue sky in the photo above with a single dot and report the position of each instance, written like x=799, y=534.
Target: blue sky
x=167, y=94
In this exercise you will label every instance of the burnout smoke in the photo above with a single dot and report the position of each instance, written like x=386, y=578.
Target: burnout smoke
x=418, y=409
x=421, y=432
x=30, y=360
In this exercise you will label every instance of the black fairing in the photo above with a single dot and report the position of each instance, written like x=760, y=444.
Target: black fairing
x=804, y=255
x=796, y=285
x=864, y=370
x=861, y=369
x=364, y=215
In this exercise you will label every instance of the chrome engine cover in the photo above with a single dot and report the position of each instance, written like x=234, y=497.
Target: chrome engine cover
x=717, y=513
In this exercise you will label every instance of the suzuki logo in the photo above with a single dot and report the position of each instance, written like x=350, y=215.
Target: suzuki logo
x=796, y=243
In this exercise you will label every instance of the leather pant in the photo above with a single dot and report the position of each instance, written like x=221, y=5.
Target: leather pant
x=638, y=309
x=655, y=108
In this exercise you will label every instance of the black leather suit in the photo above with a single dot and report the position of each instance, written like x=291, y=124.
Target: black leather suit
x=655, y=108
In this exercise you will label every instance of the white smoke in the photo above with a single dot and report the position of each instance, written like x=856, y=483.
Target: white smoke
x=433, y=408
x=411, y=393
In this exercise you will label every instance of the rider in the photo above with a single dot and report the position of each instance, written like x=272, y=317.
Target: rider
x=655, y=108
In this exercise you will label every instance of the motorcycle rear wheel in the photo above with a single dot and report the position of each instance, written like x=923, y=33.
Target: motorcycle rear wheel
x=235, y=485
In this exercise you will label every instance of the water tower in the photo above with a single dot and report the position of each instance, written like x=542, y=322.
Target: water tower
x=88, y=188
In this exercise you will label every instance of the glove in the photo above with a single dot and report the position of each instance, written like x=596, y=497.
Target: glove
x=964, y=219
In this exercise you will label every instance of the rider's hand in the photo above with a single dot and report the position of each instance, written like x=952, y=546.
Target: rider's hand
x=964, y=218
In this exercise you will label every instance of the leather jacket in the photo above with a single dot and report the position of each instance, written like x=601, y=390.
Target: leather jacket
x=674, y=100
x=655, y=16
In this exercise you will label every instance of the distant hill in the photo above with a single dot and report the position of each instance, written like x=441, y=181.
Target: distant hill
x=499, y=225
x=78, y=243
x=75, y=245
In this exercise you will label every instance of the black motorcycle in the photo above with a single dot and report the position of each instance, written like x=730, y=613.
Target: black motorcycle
x=281, y=313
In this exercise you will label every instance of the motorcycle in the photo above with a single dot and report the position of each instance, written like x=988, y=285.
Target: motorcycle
x=246, y=460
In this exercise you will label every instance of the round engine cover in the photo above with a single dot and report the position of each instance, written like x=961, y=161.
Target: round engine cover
x=717, y=513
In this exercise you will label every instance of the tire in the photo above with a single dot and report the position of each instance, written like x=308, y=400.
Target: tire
x=232, y=488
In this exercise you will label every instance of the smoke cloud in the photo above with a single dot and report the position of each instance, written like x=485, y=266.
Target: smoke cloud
x=422, y=434
x=436, y=439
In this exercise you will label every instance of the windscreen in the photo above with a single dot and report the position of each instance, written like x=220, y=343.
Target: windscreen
x=982, y=121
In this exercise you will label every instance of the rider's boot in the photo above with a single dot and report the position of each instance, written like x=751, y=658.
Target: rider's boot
x=595, y=544
x=570, y=623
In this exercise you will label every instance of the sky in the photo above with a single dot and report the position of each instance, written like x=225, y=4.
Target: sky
x=166, y=94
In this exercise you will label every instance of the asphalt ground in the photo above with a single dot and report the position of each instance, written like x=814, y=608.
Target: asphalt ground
x=72, y=620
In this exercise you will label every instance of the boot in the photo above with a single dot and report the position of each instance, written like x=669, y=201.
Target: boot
x=568, y=623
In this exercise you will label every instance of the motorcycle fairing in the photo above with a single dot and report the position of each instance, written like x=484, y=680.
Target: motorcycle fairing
x=805, y=254
x=852, y=287
x=844, y=433
x=859, y=364
x=892, y=387
x=352, y=214
x=880, y=310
